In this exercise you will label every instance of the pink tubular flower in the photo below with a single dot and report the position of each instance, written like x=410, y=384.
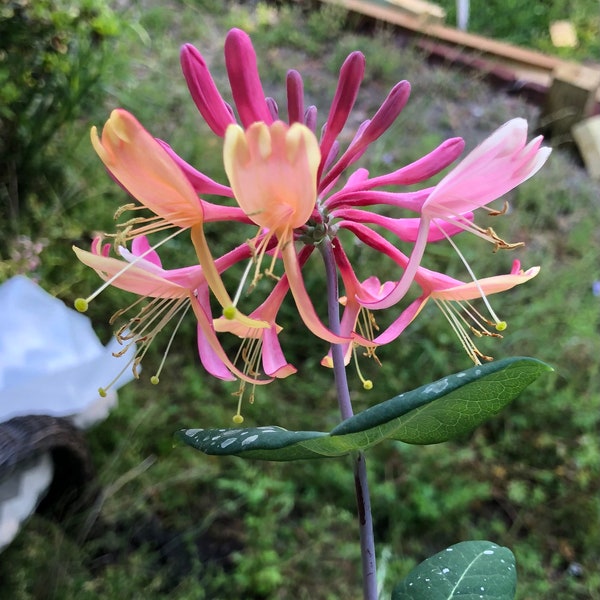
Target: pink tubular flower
x=169, y=293
x=298, y=188
x=302, y=206
x=498, y=165
x=453, y=299
x=148, y=172
x=451, y=295
x=137, y=161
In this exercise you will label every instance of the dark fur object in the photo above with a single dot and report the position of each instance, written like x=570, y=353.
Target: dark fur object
x=23, y=438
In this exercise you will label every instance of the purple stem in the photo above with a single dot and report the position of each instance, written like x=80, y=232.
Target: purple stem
x=363, y=500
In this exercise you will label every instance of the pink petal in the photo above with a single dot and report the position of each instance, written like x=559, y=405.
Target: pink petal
x=405, y=229
x=413, y=201
x=201, y=183
x=302, y=299
x=248, y=94
x=204, y=92
x=499, y=164
x=140, y=245
x=135, y=279
x=147, y=171
x=217, y=352
x=351, y=76
x=274, y=362
x=420, y=170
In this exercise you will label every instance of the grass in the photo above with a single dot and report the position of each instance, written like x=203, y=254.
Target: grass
x=174, y=523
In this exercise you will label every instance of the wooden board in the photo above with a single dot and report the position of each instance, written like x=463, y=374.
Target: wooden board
x=527, y=65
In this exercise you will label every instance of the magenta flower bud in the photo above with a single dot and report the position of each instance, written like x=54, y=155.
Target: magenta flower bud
x=210, y=103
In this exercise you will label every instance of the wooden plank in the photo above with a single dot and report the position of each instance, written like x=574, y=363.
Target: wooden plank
x=570, y=99
x=528, y=65
x=422, y=10
x=587, y=137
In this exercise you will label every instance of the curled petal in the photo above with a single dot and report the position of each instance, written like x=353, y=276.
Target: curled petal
x=272, y=171
x=140, y=246
x=145, y=169
x=211, y=360
x=458, y=291
x=446, y=289
x=141, y=277
x=274, y=362
x=213, y=351
x=495, y=167
x=409, y=265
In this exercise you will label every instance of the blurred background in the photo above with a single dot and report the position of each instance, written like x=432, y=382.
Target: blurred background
x=170, y=522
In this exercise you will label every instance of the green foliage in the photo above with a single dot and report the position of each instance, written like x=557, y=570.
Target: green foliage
x=53, y=54
x=471, y=570
x=384, y=63
x=279, y=28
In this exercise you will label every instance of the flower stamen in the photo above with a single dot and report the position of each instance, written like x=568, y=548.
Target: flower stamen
x=492, y=212
x=103, y=391
x=155, y=379
x=142, y=329
x=487, y=233
x=250, y=354
x=367, y=326
x=496, y=323
x=454, y=317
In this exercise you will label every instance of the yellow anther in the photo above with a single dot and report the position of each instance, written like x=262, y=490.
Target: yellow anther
x=229, y=312
x=81, y=305
x=238, y=419
x=102, y=392
x=154, y=380
x=501, y=326
x=367, y=384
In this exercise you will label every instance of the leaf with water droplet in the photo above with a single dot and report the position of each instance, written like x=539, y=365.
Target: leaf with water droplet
x=474, y=570
x=433, y=413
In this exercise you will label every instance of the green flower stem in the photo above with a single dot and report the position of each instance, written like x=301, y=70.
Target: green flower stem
x=363, y=499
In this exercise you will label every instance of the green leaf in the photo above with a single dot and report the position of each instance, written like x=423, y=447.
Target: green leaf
x=449, y=407
x=433, y=413
x=467, y=571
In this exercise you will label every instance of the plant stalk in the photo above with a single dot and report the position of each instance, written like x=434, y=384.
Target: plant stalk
x=363, y=499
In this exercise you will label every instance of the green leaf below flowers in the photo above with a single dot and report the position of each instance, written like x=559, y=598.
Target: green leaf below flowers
x=434, y=413
x=474, y=570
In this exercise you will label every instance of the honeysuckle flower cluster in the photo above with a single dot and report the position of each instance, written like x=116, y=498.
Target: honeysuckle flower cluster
x=296, y=186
